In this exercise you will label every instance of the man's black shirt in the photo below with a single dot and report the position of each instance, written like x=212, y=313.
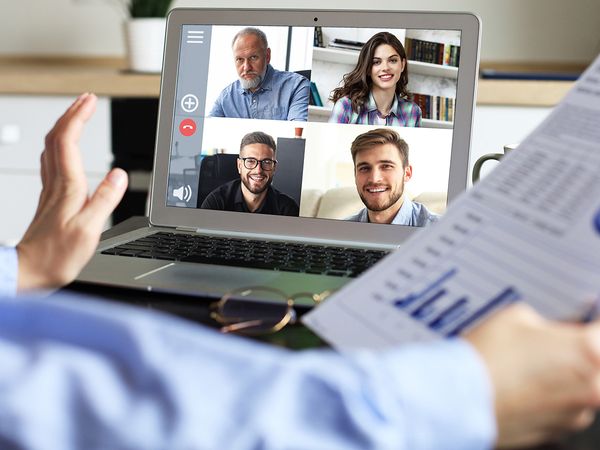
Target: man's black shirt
x=228, y=197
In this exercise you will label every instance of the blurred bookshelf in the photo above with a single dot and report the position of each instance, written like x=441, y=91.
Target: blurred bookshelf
x=349, y=57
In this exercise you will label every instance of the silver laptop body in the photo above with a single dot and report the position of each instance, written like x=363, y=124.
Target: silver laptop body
x=198, y=64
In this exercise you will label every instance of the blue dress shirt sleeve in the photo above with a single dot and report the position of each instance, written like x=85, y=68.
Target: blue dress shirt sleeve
x=9, y=267
x=217, y=109
x=299, y=100
x=280, y=96
x=77, y=373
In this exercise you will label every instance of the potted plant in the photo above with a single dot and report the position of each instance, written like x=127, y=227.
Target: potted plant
x=145, y=33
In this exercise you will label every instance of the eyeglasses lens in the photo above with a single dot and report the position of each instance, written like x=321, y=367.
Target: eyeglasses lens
x=265, y=164
x=255, y=311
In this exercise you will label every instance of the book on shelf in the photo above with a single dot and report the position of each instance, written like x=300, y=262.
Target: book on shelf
x=318, y=38
x=432, y=52
x=435, y=107
x=346, y=44
x=315, y=97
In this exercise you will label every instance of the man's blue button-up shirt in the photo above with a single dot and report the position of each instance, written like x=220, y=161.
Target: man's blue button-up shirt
x=410, y=213
x=77, y=373
x=280, y=96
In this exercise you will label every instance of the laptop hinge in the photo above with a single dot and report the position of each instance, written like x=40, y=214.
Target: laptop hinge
x=191, y=229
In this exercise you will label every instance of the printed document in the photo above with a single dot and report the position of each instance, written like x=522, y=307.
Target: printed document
x=529, y=231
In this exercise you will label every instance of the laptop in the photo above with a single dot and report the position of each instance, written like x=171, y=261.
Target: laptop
x=206, y=113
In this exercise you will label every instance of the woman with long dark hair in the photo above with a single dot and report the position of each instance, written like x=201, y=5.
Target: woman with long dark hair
x=375, y=92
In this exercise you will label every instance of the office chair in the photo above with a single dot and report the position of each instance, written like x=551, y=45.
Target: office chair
x=215, y=170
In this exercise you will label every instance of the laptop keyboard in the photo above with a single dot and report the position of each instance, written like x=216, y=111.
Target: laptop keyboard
x=272, y=255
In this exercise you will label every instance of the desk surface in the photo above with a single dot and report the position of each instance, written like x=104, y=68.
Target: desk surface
x=108, y=77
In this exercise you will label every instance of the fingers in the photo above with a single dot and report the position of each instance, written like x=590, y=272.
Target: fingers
x=565, y=422
x=104, y=200
x=582, y=420
x=50, y=169
x=60, y=123
x=63, y=171
x=592, y=340
x=67, y=153
x=43, y=200
x=591, y=350
x=62, y=153
x=546, y=374
x=81, y=109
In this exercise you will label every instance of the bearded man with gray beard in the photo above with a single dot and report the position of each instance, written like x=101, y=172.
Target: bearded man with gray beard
x=261, y=92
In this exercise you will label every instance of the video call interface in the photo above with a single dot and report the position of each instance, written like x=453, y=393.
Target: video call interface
x=351, y=124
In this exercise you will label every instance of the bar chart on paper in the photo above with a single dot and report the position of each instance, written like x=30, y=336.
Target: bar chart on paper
x=454, y=317
x=486, y=256
x=447, y=283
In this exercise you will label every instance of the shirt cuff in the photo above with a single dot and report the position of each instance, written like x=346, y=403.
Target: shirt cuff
x=9, y=266
x=455, y=397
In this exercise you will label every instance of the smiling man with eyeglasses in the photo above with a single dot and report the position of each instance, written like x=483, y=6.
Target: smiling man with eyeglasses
x=253, y=191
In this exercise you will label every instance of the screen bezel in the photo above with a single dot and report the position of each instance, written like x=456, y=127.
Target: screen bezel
x=303, y=228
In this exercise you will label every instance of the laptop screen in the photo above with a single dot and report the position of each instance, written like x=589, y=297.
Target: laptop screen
x=337, y=123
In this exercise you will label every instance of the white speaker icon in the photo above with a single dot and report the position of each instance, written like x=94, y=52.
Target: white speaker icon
x=183, y=193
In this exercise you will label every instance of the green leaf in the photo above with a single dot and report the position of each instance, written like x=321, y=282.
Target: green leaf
x=149, y=8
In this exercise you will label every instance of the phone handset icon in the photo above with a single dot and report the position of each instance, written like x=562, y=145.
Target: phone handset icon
x=187, y=127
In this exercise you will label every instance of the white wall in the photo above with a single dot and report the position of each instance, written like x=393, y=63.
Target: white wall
x=514, y=30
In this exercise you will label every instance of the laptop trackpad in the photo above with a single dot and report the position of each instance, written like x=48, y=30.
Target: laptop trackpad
x=207, y=279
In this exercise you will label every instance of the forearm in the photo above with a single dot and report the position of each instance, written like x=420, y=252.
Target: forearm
x=434, y=396
x=139, y=376
x=299, y=103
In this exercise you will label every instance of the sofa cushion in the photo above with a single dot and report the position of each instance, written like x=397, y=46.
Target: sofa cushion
x=434, y=201
x=309, y=202
x=339, y=203
x=342, y=202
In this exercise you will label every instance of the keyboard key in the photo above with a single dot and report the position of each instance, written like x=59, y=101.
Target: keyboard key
x=337, y=272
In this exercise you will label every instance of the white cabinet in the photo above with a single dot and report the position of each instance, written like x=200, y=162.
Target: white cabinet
x=24, y=122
